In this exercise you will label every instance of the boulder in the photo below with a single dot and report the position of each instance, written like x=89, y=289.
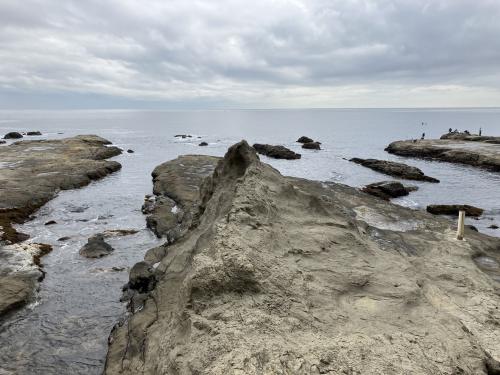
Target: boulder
x=96, y=247
x=394, y=169
x=388, y=189
x=312, y=146
x=453, y=209
x=34, y=133
x=51, y=222
x=304, y=139
x=203, y=144
x=2, y=142
x=12, y=135
x=277, y=152
x=130, y=151
x=493, y=226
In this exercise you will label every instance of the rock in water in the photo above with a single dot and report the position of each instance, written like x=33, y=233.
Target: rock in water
x=280, y=275
x=394, y=169
x=34, y=133
x=130, y=151
x=96, y=247
x=277, y=152
x=388, y=189
x=203, y=144
x=453, y=209
x=304, y=139
x=12, y=135
x=312, y=146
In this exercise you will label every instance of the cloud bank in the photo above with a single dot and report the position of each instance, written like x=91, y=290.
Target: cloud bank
x=258, y=54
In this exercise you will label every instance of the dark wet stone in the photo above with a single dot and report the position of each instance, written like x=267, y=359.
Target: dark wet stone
x=312, y=146
x=304, y=139
x=453, y=209
x=130, y=151
x=388, y=189
x=34, y=133
x=12, y=135
x=65, y=238
x=394, y=169
x=203, y=144
x=493, y=226
x=277, y=152
x=51, y=222
x=96, y=247
x=183, y=136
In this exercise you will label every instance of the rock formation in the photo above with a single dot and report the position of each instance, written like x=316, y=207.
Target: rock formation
x=482, y=154
x=31, y=173
x=12, y=135
x=388, y=189
x=277, y=152
x=312, y=146
x=394, y=169
x=305, y=139
x=453, y=209
x=96, y=247
x=280, y=275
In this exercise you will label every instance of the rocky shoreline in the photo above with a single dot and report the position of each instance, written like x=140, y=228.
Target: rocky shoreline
x=274, y=274
x=481, y=152
x=31, y=174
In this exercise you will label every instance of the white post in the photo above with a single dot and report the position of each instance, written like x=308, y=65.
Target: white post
x=461, y=226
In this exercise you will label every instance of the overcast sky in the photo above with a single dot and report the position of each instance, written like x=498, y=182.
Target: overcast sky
x=249, y=53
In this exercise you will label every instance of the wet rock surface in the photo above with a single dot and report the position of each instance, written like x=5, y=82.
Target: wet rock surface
x=285, y=275
x=481, y=152
x=388, y=189
x=96, y=247
x=36, y=132
x=395, y=169
x=312, y=146
x=12, y=135
x=176, y=189
x=31, y=173
x=305, y=139
x=277, y=152
x=453, y=209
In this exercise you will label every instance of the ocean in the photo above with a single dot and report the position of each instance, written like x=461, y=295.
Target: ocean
x=65, y=330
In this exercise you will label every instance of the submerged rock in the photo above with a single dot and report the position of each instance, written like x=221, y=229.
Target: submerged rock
x=493, y=226
x=96, y=247
x=34, y=133
x=394, y=169
x=312, y=146
x=453, y=209
x=51, y=222
x=284, y=275
x=388, y=189
x=277, y=152
x=130, y=151
x=12, y=135
x=203, y=144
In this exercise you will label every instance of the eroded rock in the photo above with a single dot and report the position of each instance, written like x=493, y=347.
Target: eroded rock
x=395, y=169
x=312, y=146
x=453, y=209
x=96, y=247
x=284, y=275
x=277, y=152
x=12, y=135
x=388, y=189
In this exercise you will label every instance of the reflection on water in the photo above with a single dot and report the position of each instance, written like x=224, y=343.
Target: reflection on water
x=65, y=330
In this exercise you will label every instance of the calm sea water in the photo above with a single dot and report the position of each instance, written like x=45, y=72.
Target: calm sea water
x=66, y=329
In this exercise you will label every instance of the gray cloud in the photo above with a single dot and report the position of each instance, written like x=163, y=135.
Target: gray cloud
x=263, y=53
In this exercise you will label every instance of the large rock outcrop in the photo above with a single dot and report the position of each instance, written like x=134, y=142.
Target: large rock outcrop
x=31, y=173
x=469, y=151
x=280, y=275
x=394, y=169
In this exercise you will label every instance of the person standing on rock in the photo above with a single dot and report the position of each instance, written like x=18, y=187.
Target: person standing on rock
x=480, y=131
